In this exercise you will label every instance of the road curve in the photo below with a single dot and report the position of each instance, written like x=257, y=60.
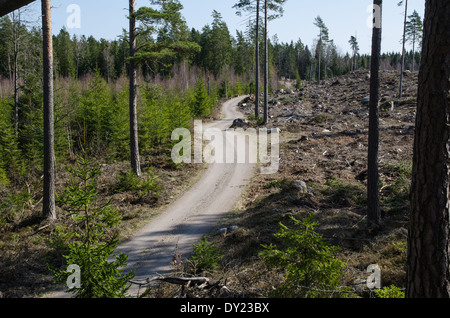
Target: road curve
x=150, y=251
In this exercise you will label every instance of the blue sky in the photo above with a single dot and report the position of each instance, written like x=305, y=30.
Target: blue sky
x=107, y=18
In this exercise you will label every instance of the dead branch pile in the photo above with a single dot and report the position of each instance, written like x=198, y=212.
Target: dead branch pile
x=192, y=287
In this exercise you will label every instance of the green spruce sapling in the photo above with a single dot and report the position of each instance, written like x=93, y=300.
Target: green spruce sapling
x=309, y=263
x=95, y=238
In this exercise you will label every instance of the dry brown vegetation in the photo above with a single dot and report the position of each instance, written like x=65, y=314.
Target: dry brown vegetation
x=28, y=243
x=323, y=143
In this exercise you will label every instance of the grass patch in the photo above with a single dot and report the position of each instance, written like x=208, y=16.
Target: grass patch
x=321, y=118
x=144, y=185
x=206, y=256
x=257, y=121
x=390, y=292
x=396, y=185
x=309, y=262
x=345, y=194
x=278, y=184
x=15, y=208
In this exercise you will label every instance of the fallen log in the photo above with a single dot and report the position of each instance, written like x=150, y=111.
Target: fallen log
x=173, y=280
x=195, y=286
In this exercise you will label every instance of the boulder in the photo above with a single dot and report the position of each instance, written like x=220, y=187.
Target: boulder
x=239, y=123
x=249, y=99
x=303, y=138
x=387, y=106
x=302, y=187
x=365, y=100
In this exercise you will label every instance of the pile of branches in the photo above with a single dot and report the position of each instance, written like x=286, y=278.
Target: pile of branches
x=192, y=287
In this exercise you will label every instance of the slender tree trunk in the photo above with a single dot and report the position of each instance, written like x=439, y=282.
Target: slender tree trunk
x=373, y=208
x=403, y=52
x=413, y=52
x=134, y=144
x=16, y=88
x=257, y=60
x=10, y=71
x=49, y=152
x=266, y=63
x=428, y=272
x=15, y=34
x=320, y=56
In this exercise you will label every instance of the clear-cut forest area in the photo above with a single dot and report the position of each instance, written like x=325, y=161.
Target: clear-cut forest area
x=358, y=207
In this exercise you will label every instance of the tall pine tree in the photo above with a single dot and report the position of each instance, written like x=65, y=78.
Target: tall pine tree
x=373, y=196
x=428, y=260
x=49, y=151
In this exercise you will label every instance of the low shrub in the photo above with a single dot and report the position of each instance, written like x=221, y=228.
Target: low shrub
x=206, y=256
x=95, y=238
x=308, y=261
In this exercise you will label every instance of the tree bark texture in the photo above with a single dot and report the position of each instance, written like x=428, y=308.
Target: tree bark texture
x=257, y=61
x=320, y=56
x=49, y=152
x=266, y=62
x=16, y=26
x=373, y=200
x=134, y=143
x=428, y=274
x=400, y=93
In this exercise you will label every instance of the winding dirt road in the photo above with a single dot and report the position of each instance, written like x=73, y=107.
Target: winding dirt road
x=195, y=213
x=150, y=251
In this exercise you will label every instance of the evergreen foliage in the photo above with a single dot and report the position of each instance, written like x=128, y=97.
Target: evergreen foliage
x=148, y=184
x=206, y=256
x=389, y=292
x=309, y=263
x=163, y=35
x=91, y=116
x=200, y=103
x=91, y=94
x=298, y=83
x=8, y=145
x=165, y=42
x=95, y=238
x=95, y=114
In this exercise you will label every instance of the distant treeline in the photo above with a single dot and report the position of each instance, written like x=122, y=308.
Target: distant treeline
x=91, y=90
x=222, y=55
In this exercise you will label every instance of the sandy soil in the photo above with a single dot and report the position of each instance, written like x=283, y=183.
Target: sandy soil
x=323, y=137
x=195, y=213
x=152, y=249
